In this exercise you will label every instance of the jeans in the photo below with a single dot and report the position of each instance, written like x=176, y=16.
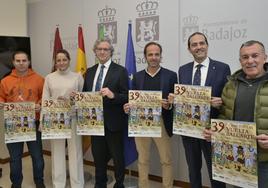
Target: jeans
x=262, y=174
x=15, y=153
x=194, y=148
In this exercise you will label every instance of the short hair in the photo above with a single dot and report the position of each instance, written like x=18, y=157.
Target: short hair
x=98, y=41
x=20, y=52
x=196, y=33
x=149, y=44
x=63, y=51
x=252, y=42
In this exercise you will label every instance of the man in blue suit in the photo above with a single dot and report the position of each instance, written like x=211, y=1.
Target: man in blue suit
x=155, y=78
x=213, y=74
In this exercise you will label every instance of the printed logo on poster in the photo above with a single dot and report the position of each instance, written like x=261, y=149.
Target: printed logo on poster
x=147, y=24
x=107, y=20
x=190, y=25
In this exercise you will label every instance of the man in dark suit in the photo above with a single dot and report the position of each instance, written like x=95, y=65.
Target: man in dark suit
x=214, y=74
x=111, y=80
x=155, y=78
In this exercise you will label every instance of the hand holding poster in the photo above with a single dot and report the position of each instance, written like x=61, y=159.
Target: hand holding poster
x=56, y=119
x=234, y=152
x=192, y=110
x=89, y=111
x=19, y=119
x=145, y=113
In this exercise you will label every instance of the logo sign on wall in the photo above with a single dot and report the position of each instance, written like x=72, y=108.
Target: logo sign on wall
x=190, y=25
x=106, y=19
x=147, y=24
x=219, y=30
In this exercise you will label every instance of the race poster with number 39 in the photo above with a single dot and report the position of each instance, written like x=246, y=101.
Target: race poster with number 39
x=56, y=119
x=234, y=152
x=19, y=120
x=191, y=110
x=89, y=112
x=145, y=113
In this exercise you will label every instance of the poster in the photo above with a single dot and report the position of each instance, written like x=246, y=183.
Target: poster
x=89, y=113
x=234, y=152
x=191, y=110
x=56, y=119
x=19, y=120
x=145, y=113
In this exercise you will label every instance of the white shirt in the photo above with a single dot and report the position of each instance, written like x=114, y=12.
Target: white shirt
x=153, y=75
x=203, y=69
x=105, y=70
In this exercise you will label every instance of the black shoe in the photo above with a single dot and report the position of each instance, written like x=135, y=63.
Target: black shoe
x=41, y=185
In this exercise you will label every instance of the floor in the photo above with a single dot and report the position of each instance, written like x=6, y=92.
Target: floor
x=89, y=179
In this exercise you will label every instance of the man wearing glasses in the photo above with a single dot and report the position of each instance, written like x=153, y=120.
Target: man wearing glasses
x=111, y=80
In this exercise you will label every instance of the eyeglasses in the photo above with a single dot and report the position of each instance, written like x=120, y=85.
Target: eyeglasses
x=103, y=49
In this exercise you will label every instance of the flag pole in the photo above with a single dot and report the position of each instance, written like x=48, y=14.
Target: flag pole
x=130, y=64
x=80, y=67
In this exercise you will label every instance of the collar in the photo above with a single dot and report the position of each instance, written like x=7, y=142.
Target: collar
x=14, y=73
x=242, y=77
x=153, y=75
x=64, y=72
x=107, y=64
x=205, y=63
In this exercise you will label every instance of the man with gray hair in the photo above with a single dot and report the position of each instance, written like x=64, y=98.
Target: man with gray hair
x=111, y=80
x=245, y=98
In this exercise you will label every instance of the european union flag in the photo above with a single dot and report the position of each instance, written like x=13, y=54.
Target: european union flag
x=131, y=153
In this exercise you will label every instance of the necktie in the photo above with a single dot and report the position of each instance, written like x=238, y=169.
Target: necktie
x=197, y=75
x=99, y=79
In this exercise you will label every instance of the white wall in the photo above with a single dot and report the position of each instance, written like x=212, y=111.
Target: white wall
x=13, y=19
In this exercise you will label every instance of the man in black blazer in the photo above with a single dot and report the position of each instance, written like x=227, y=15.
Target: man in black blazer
x=214, y=74
x=156, y=78
x=111, y=80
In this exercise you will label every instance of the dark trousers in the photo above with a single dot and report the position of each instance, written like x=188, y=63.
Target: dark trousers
x=103, y=149
x=15, y=153
x=193, y=152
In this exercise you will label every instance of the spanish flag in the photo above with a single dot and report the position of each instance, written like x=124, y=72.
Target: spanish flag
x=81, y=64
x=81, y=67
